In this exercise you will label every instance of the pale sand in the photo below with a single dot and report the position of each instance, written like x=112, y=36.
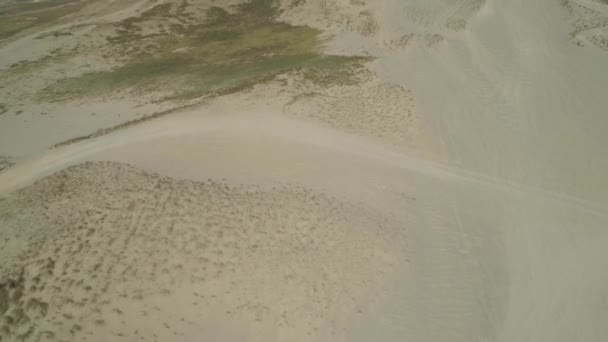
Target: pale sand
x=406, y=249
x=458, y=193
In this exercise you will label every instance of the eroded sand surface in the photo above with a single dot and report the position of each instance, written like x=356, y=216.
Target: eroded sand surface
x=116, y=252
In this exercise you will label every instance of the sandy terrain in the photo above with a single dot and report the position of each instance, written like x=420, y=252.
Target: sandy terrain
x=151, y=257
x=321, y=170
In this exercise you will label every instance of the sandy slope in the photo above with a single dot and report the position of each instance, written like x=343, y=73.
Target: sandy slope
x=465, y=257
x=127, y=254
x=459, y=194
x=513, y=97
x=507, y=92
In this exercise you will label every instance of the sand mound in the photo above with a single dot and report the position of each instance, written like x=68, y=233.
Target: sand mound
x=589, y=22
x=386, y=25
x=379, y=110
x=114, y=251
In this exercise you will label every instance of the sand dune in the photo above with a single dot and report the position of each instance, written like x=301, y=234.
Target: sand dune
x=396, y=247
x=319, y=170
x=111, y=250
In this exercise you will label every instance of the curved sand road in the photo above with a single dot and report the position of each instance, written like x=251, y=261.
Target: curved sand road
x=454, y=256
x=402, y=248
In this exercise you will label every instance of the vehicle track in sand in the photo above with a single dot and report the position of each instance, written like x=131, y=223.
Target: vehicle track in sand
x=279, y=130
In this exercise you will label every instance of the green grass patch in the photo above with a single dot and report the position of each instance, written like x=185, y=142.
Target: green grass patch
x=18, y=17
x=228, y=51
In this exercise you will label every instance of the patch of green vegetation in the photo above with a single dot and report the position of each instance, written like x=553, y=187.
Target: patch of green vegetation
x=230, y=50
x=258, y=9
x=55, y=34
x=24, y=67
x=230, y=78
x=21, y=16
x=337, y=70
x=218, y=35
x=297, y=3
x=128, y=30
x=3, y=108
